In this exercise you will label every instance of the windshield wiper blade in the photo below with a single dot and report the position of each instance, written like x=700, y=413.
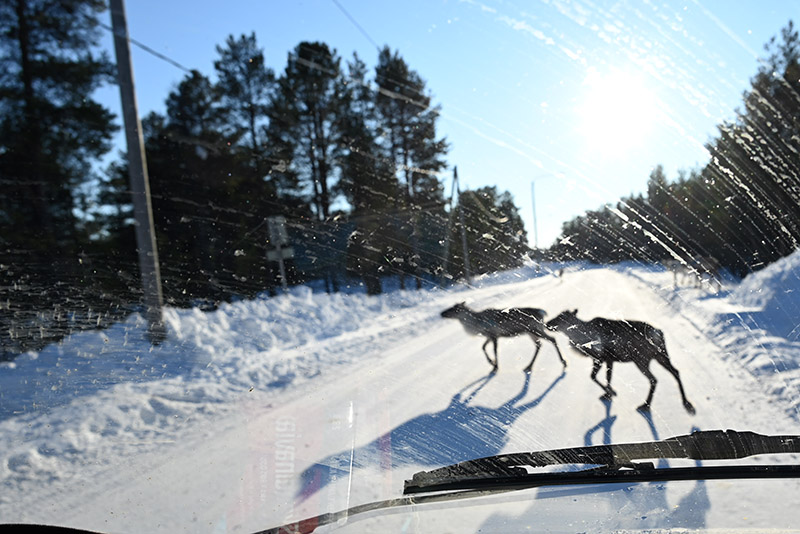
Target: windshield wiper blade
x=485, y=487
x=505, y=469
x=506, y=472
x=630, y=474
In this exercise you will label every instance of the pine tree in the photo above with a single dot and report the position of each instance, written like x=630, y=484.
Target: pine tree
x=303, y=115
x=245, y=85
x=195, y=180
x=496, y=237
x=407, y=121
x=51, y=131
x=367, y=182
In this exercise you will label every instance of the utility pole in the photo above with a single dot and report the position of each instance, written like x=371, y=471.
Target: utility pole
x=140, y=188
x=533, y=203
x=464, y=247
x=279, y=240
x=449, y=227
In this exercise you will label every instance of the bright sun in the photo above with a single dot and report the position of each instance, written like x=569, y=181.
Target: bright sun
x=617, y=112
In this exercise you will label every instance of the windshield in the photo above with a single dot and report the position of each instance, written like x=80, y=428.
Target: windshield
x=265, y=261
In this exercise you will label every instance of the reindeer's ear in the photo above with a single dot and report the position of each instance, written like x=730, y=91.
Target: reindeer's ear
x=575, y=311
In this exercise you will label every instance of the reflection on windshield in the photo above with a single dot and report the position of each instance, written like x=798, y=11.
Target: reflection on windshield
x=459, y=432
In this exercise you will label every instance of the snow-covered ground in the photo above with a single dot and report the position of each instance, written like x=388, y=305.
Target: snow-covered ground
x=281, y=408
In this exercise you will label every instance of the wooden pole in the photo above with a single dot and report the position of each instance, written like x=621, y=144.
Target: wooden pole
x=140, y=188
x=533, y=203
x=446, y=265
x=464, y=247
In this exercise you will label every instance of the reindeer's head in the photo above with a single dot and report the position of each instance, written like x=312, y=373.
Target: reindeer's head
x=563, y=320
x=455, y=311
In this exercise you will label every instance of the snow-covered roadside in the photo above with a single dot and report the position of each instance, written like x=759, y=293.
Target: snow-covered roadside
x=755, y=322
x=98, y=397
x=99, y=404
x=265, y=343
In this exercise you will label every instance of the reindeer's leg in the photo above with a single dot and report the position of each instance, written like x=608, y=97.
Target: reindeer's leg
x=535, y=353
x=492, y=363
x=496, y=361
x=663, y=359
x=609, y=368
x=644, y=367
x=553, y=341
x=595, y=369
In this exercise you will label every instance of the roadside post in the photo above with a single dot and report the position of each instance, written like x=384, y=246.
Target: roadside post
x=279, y=243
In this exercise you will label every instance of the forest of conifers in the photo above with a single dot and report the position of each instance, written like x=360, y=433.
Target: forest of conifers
x=742, y=208
x=349, y=156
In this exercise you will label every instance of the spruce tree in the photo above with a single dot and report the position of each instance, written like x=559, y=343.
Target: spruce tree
x=742, y=208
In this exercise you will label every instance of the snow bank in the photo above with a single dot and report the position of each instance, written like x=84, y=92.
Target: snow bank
x=242, y=343
x=95, y=393
x=97, y=397
x=775, y=293
x=755, y=323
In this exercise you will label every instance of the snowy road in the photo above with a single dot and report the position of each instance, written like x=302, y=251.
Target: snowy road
x=421, y=398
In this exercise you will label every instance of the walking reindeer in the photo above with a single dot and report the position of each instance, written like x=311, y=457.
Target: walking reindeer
x=494, y=324
x=607, y=341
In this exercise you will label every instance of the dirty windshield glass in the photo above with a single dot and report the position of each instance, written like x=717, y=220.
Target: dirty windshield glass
x=263, y=261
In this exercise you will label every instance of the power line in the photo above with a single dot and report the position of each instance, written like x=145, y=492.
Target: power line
x=356, y=24
x=305, y=62
x=147, y=49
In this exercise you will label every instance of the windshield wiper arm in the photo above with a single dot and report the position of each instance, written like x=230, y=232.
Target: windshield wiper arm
x=496, y=471
x=621, y=474
x=507, y=472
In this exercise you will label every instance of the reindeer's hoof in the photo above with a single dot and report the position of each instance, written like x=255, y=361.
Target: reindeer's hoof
x=644, y=408
x=689, y=408
x=527, y=370
x=493, y=371
x=608, y=395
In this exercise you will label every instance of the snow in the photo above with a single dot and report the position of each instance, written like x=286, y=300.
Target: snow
x=756, y=325
x=280, y=408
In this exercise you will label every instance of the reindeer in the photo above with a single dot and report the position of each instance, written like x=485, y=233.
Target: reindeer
x=608, y=341
x=697, y=271
x=494, y=324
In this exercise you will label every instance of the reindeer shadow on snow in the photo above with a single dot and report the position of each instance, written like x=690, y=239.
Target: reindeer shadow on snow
x=648, y=505
x=460, y=432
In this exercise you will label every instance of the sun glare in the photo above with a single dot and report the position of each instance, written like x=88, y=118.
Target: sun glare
x=617, y=112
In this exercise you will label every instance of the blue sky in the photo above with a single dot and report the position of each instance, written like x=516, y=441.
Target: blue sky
x=582, y=97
